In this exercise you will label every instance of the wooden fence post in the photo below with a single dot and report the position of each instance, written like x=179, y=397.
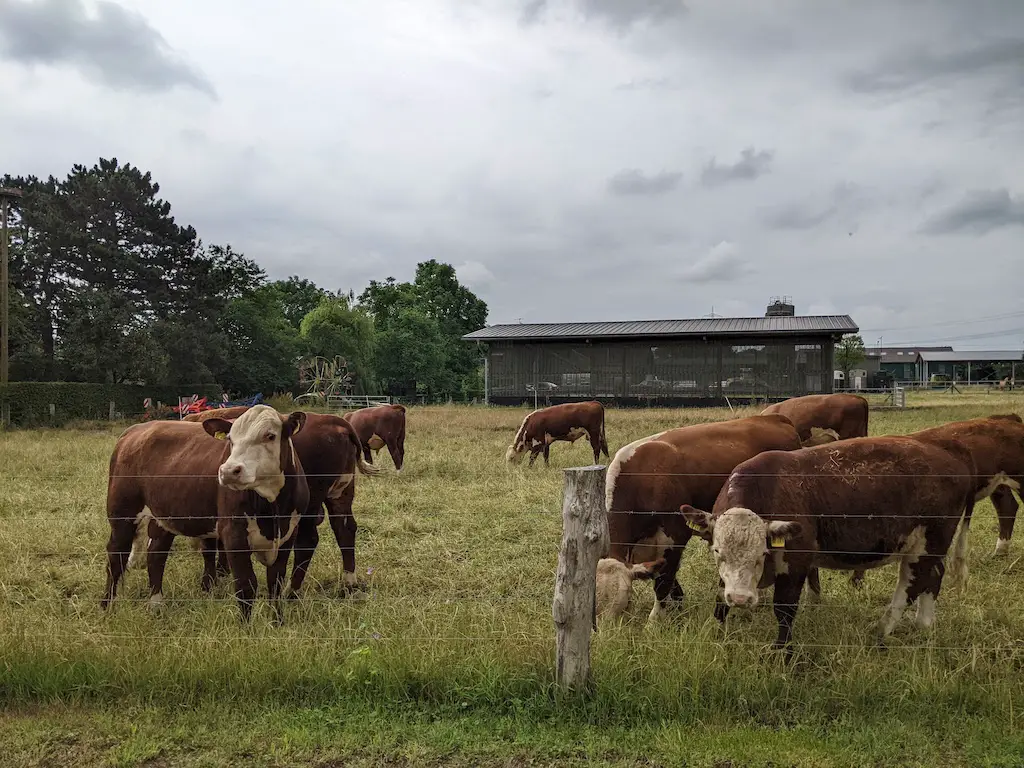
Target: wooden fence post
x=113, y=410
x=584, y=540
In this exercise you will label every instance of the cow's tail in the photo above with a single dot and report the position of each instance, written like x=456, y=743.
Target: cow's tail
x=140, y=543
x=361, y=464
x=604, y=440
x=958, y=563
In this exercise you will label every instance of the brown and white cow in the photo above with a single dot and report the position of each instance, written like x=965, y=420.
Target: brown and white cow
x=330, y=452
x=996, y=444
x=567, y=422
x=167, y=471
x=651, y=478
x=855, y=504
x=844, y=413
x=379, y=426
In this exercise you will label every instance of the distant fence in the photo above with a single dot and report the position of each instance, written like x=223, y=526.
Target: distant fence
x=54, y=403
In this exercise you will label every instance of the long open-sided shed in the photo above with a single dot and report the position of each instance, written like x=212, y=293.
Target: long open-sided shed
x=970, y=367
x=664, y=362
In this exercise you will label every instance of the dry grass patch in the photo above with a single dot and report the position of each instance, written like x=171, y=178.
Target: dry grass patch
x=456, y=612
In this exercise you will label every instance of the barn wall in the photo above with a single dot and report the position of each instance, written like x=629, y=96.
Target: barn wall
x=647, y=371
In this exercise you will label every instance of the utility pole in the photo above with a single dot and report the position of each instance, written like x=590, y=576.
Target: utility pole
x=6, y=195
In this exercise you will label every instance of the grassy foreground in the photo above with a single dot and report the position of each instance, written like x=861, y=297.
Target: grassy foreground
x=447, y=656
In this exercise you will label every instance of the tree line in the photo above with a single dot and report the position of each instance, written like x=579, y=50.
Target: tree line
x=106, y=287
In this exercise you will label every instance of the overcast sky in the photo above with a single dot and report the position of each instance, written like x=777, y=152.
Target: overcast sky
x=574, y=159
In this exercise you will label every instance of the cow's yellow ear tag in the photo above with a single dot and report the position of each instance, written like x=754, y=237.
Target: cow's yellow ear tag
x=221, y=435
x=692, y=525
x=778, y=541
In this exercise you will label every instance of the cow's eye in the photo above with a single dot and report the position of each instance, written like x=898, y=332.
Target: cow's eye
x=270, y=436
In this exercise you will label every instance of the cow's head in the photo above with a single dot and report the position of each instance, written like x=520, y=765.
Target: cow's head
x=256, y=439
x=615, y=584
x=820, y=436
x=515, y=453
x=740, y=542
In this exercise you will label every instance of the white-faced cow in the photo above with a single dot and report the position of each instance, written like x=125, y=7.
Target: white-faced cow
x=168, y=471
x=854, y=504
x=379, y=426
x=845, y=415
x=651, y=478
x=567, y=422
x=330, y=452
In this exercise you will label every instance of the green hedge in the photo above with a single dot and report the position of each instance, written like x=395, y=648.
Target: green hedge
x=30, y=401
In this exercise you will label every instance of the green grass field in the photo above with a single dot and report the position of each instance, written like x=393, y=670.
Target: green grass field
x=447, y=656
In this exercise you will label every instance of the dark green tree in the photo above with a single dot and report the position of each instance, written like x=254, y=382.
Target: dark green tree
x=849, y=353
x=383, y=299
x=190, y=325
x=335, y=328
x=264, y=349
x=437, y=295
x=41, y=233
x=298, y=297
x=411, y=355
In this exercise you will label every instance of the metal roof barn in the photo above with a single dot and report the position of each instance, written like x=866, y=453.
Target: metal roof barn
x=702, y=361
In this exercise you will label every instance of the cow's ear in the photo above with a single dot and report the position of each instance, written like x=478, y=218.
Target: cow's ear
x=698, y=521
x=647, y=571
x=780, y=531
x=293, y=424
x=217, y=428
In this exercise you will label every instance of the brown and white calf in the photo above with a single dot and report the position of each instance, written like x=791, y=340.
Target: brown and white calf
x=379, y=426
x=566, y=422
x=330, y=452
x=845, y=414
x=854, y=504
x=256, y=478
x=650, y=479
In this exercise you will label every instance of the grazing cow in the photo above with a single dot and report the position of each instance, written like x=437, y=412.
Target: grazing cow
x=330, y=452
x=846, y=414
x=567, y=422
x=379, y=426
x=996, y=444
x=169, y=471
x=651, y=478
x=230, y=414
x=855, y=504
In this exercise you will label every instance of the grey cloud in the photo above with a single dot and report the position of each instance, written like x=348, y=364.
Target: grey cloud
x=115, y=47
x=633, y=181
x=532, y=11
x=922, y=67
x=845, y=198
x=648, y=84
x=415, y=141
x=978, y=212
x=721, y=263
x=750, y=165
x=799, y=216
x=621, y=15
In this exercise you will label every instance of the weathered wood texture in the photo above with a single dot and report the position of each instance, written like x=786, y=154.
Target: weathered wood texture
x=584, y=539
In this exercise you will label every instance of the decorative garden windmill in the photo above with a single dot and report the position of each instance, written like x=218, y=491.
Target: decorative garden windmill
x=325, y=378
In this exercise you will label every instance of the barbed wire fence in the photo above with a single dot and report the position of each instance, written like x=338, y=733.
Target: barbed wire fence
x=584, y=538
